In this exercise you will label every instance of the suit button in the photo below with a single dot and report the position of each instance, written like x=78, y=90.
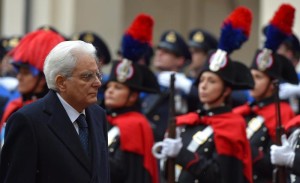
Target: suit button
x=262, y=138
x=254, y=177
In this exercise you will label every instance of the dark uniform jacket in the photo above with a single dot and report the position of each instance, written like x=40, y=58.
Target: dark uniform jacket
x=294, y=172
x=42, y=145
x=130, y=155
x=261, y=132
x=222, y=156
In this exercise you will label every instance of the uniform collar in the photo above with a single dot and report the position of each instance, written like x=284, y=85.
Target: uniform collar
x=214, y=111
x=116, y=112
x=263, y=102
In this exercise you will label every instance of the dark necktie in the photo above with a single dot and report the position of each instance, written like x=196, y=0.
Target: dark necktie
x=83, y=132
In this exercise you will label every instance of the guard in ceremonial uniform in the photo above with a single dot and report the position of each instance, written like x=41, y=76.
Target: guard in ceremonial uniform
x=200, y=44
x=28, y=59
x=261, y=114
x=170, y=56
x=211, y=144
x=290, y=48
x=130, y=136
x=136, y=46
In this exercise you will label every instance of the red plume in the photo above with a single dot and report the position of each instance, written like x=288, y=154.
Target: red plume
x=240, y=18
x=141, y=28
x=284, y=18
x=35, y=46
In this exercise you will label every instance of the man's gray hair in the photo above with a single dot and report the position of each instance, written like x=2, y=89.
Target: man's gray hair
x=62, y=59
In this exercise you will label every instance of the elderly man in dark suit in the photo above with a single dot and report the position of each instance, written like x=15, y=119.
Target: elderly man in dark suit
x=62, y=137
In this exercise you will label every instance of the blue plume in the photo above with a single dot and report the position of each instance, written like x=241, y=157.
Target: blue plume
x=231, y=39
x=274, y=37
x=133, y=49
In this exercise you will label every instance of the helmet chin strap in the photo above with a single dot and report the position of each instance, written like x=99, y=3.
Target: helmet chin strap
x=266, y=89
x=220, y=96
x=30, y=95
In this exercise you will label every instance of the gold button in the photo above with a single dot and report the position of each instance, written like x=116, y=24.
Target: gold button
x=205, y=149
x=262, y=138
x=156, y=117
x=264, y=129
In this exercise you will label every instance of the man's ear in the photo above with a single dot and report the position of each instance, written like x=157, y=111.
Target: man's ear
x=60, y=82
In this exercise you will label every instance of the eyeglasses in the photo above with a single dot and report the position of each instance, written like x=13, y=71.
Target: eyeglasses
x=91, y=76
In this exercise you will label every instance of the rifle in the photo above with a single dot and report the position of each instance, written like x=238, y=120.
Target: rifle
x=171, y=129
x=279, y=172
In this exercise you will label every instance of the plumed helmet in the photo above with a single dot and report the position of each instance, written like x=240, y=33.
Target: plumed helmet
x=33, y=49
x=137, y=77
x=266, y=59
x=235, y=31
x=137, y=39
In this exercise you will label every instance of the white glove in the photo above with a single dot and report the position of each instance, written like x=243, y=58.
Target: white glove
x=282, y=155
x=181, y=81
x=287, y=90
x=169, y=148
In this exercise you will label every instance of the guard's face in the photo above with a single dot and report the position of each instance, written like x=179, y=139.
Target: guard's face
x=211, y=89
x=263, y=85
x=28, y=83
x=116, y=95
x=198, y=58
x=80, y=90
x=166, y=61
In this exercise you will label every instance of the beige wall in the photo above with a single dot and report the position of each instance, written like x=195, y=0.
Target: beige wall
x=110, y=18
x=189, y=14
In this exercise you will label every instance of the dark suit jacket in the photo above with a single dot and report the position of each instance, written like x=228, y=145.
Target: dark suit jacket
x=42, y=145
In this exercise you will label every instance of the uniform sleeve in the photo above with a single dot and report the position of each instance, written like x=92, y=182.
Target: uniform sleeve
x=127, y=167
x=212, y=169
x=262, y=166
x=117, y=164
x=296, y=165
x=18, y=161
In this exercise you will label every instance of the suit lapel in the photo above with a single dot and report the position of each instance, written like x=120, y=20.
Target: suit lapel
x=62, y=127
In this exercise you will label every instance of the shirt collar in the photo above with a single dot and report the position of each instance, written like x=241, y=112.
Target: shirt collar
x=72, y=113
